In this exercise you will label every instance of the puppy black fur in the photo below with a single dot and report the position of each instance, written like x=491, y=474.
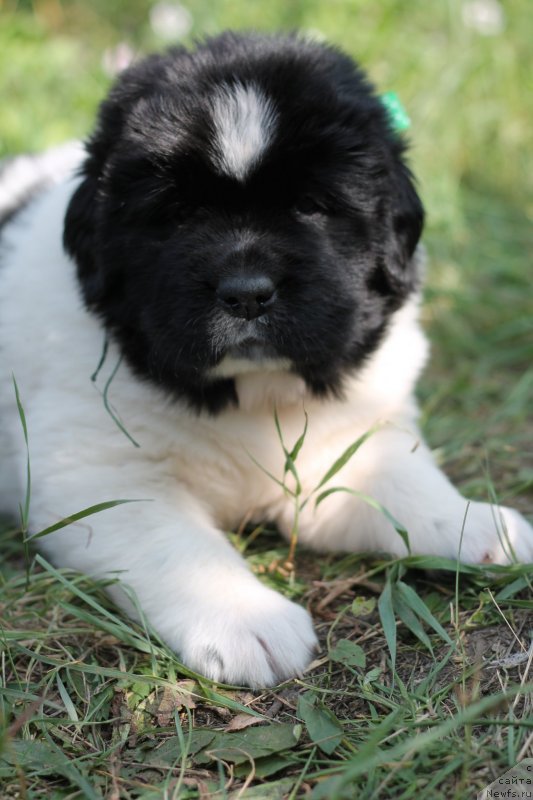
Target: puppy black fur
x=329, y=215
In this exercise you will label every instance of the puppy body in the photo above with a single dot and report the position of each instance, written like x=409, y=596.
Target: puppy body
x=200, y=471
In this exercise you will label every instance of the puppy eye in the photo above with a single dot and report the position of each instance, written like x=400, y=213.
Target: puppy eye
x=307, y=206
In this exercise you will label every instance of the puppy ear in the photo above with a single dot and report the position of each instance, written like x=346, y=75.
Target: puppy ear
x=81, y=230
x=405, y=223
x=82, y=224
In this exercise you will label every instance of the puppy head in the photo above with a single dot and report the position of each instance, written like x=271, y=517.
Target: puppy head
x=245, y=203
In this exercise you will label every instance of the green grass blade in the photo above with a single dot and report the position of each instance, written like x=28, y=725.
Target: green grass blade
x=386, y=615
x=290, y=456
x=26, y=508
x=409, y=618
x=102, y=360
x=87, y=512
x=346, y=456
x=411, y=599
x=279, y=432
x=69, y=705
x=371, y=501
x=363, y=762
x=300, y=441
x=109, y=408
x=269, y=474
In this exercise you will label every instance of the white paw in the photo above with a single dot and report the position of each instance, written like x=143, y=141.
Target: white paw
x=496, y=535
x=260, y=641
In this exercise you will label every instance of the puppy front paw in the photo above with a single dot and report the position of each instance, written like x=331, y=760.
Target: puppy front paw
x=260, y=641
x=496, y=535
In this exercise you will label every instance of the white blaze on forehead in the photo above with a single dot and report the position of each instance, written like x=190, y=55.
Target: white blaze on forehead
x=244, y=119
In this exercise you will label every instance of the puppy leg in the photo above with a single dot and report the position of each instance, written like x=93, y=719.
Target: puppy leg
x=192, y=586
x=399, y=472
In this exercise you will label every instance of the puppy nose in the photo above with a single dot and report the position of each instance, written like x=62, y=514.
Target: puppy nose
x=246, y=296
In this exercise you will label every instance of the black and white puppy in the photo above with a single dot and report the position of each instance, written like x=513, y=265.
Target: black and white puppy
x=243, y=231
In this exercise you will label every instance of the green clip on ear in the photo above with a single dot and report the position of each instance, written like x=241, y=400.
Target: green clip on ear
x=397, y=113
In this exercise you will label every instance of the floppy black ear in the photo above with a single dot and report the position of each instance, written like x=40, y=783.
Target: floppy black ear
x=405, y=223
x=81, y=231
x=80, y=234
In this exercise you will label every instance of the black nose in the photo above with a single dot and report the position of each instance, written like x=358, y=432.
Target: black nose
x=246, y=296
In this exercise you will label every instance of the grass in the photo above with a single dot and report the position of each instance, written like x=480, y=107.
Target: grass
x=92, y=706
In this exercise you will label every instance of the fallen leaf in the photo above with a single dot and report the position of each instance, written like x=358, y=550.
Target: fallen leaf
x=264, y=767
x=241, y=721
x=348, y=653
x=171, y=751
x=322, y=725
x=250, y=744
x=271, y=791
